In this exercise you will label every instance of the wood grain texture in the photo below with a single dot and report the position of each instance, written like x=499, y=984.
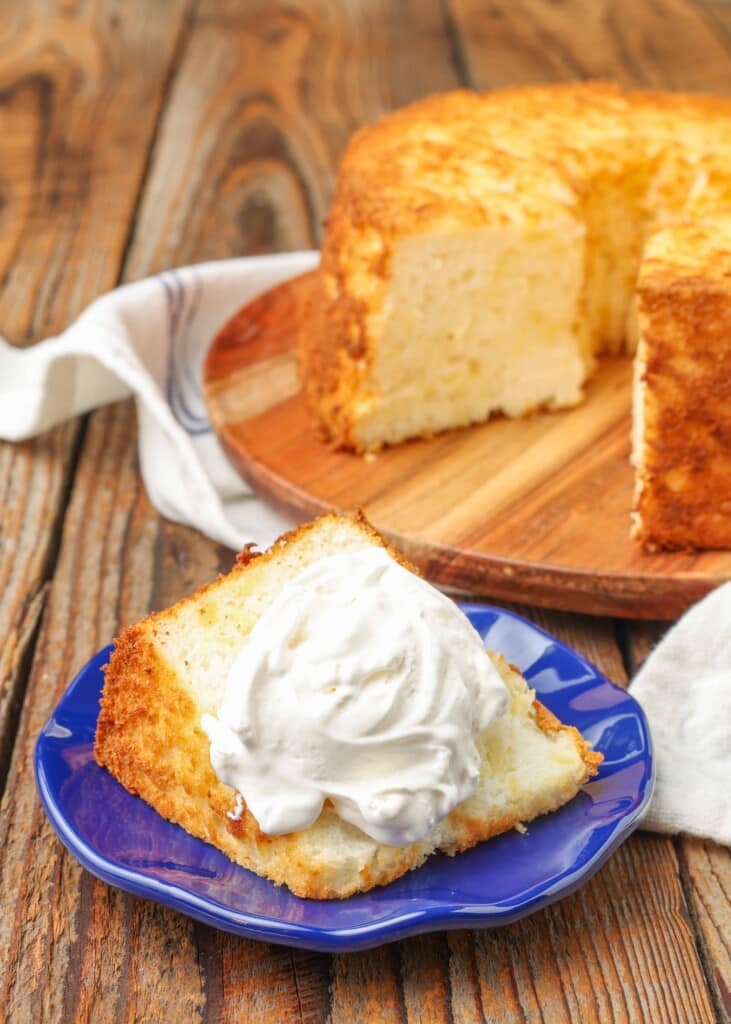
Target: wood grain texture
x=66, y=941
x=75, y=132
x=76, y=129
x=272, y=92
x=506, y=509
x=73, y=949
x=660, y=44
x=32, y=480
x=80, y=92
x=706, y=872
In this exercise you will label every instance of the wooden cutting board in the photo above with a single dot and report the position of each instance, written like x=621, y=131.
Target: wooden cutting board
x=533, y=510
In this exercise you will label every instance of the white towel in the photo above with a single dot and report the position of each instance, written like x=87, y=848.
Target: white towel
x=149, y=340
x=684, y=688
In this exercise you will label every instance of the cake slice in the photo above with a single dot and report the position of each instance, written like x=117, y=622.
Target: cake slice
x=169, y=671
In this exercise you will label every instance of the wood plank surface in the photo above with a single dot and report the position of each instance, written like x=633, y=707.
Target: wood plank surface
x=656, y=44
x=260, y=104
x=76, y=131
x=75, y=135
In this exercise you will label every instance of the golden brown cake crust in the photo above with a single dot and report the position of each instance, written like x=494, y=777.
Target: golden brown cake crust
x=684, y=480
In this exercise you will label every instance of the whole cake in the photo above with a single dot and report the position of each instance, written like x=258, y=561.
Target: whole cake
x=483, y=250
x=328, y=719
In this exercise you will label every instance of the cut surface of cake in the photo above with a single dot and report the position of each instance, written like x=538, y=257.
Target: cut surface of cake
x=483, y=251
x=168, y=685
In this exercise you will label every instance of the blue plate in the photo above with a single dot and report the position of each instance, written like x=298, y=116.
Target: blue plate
x=120, y=839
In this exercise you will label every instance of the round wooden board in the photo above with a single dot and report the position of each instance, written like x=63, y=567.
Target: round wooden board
x=533, y=510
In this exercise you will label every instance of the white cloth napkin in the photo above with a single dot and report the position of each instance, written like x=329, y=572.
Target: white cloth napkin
x=684, y=688
x=149, y=340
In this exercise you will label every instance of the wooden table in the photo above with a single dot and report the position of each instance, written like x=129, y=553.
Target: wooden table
x=141, y=135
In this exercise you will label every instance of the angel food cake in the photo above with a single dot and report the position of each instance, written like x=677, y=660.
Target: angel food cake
x=484, y=250
x=327, y=719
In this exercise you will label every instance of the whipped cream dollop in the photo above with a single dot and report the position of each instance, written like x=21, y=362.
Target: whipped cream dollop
x=361, y=684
